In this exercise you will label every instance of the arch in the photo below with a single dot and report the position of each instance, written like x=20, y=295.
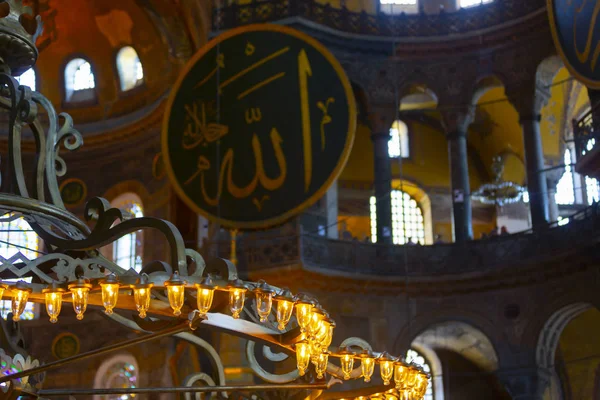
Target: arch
x=549, y=335
x=395, y=7
x=129, y=68
x=484, y=85
x=417, y=96
x=79, y=81
x=123, y=367
x=547, y=70
x=435, y=365
x=28, y=78
x=399, y=143
x=472, y=323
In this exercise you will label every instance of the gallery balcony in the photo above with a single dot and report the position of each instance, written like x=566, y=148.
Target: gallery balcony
x=402, y=25
x=491, y=260
x=586, y=134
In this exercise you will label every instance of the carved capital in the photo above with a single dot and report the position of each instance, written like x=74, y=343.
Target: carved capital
x=529, y=99
x=457, y=120
x=381, y=119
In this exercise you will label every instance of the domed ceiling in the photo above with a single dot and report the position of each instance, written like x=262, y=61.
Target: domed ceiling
x=96, y=30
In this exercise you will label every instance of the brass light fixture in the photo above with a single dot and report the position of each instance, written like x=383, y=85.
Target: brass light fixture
x=347, y=362
x=237, y=297
x=110, y=293
x=176, y=293
x=80, y=290
x=386, y=367
x=285, y=308
x=264, y=300
x=302, y=356
x=321, y=366
x=53, y=297
x=205, y=294
x=367, y=364
x=141, y=295
x=303, y=312
x=20, y=294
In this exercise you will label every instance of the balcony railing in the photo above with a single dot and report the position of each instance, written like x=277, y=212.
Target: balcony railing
x=403, y=25
x=586, y=133
x=292, y=247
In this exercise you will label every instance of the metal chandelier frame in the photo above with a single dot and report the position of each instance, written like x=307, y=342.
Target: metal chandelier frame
x=172, y=298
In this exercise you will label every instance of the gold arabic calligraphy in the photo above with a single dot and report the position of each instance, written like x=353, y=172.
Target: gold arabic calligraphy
x=584, y=56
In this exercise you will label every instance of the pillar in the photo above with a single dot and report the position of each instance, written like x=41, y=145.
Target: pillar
x=526, y=383
x=552, y=178
x=528, y=99
x=536, y=177
x=331, y=211
x=457, y=122
x=381, y=122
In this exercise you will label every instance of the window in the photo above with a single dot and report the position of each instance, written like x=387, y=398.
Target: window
x=79, y=80
x=127, y=251
x=398, y=144
x=565, y=190
x=16, y=236
x=27, y=78
x=415, y=357
x=399, y=6
x=592, y=189
x=120, y=371
x=407, y=219
x=472, y=3
x=129, y=66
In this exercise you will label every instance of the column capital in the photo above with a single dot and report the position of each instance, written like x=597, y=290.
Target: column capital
x=457, y=119
x=528, y=99
x=381, y=118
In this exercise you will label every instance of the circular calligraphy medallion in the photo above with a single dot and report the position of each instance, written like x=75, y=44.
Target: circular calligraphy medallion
x=258, y=126
x=577, y=38
x=73, y=192
x=65, y=345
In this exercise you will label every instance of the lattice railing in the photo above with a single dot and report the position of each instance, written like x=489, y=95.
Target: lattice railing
x=403, y=25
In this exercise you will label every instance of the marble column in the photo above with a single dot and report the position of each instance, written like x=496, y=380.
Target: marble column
x=331, y=211
x=457, y=122
x=381, y=122
x=528, y=99
x=536, y=177
x=552, y=178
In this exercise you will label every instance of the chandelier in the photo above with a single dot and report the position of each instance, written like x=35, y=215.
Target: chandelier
x=499, y=192
x=171, y=298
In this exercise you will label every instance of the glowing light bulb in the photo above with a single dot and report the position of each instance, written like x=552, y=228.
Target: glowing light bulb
x=110, y=293
x=53, y=296
x=302, y=356
x=141, y=295
x=400, y=371
x=264, y=300
x=20, y=294
x=285, y=307
x=205, y=294
x=347, y=361
x=303, y=312
x=237, y=297
x=3, y=287
x=412, y=374
x=79, y=291
x=386, y=368
x=367, y=365
x=316, y=316
x=176, y=293
x=326, y=342
x=321, y=366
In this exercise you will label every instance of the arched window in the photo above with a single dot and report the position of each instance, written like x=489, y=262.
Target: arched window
x=399, y=6
x=565, y=190
x=412, y=356
x=129, y=66
x=79, y=81
x=120, y=371
x=16, y=236
x=398, y=144
x=27, y=78
x=127, y=251
x=407, y=219
x=472, y=3
x=592, y=189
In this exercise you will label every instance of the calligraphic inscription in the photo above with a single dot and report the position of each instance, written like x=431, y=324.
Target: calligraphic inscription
x=65, y=345
x=73, y=192
x=576, y=34
x=258, y=126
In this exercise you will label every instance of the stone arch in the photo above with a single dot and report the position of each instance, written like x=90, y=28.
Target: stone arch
x=484, y=84
x=415, y=95
x=436, y=368
x=475, y=327
x=130, y=186
x=549, y=335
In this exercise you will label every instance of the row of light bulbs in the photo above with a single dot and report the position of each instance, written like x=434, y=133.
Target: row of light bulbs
x=315, y=324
